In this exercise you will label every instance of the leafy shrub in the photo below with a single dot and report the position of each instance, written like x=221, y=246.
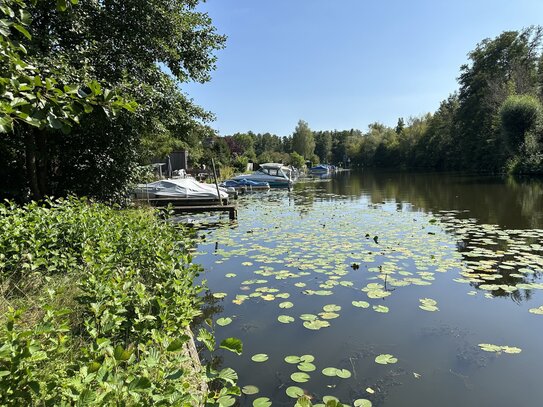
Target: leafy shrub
x=96, y=303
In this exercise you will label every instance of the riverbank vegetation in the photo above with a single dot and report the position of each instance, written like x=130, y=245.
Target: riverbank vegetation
x=493, y=123
x=94, y=309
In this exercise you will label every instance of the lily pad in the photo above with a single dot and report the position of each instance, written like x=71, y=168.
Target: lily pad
x=292, y=359
x=380, y=308
x=259, y=357
x=537, y=311
x=249, y=390
x=361, y=304
x=262, y=402
x=224, y=321
x=285, y=319
x=331, y=308
x=306, y=367
x=294, y=392
x=316, y=324
x=385, y=359
x=362, y=403
x=299, y=377
x=286, y=304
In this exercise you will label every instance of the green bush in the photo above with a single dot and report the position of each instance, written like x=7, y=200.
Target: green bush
x=519, y=114
x=95, y=302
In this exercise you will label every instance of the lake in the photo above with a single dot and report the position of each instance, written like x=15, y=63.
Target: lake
x=397, y=288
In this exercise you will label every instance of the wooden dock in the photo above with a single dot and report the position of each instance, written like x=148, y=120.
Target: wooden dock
x=231, y=209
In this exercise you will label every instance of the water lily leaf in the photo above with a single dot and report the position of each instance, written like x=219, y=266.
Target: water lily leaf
x=307, y=358
x=294, y=392
x=249, y=390
x=316, y=324
x=385, y=359
x=328, y=399
x=381, y=308
x=262, y=402
x=361, y=304
x=537, y=311
x=343, y=373
x=370, y=390
x=299, y=377
x=286, y=304
x=362, y=403
x=224, y=321
x=219, y=295
x=308, y=317
x=328, y=315
x=285, y=319
x=329, y=371
x=331, y=308
x=259, y=357
x=306, y=367
x=511, y=349
x=292, y=359
x=230, y=275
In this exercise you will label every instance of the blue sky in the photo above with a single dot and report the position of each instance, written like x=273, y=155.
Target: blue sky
x=342, y=64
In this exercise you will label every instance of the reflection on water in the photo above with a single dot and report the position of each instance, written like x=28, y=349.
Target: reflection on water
x=423, y=267
x=490, y=199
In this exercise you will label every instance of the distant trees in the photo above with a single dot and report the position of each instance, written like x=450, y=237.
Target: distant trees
x=303, y=141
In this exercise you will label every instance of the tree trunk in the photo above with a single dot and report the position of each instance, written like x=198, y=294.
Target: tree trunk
x=31, y=168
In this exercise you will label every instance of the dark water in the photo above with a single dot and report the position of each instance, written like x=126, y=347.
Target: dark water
x=469, y=248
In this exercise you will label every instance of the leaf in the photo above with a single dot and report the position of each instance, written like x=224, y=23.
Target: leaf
x=361, y=304
x=177, y=343
x=285, y=319
x=362, y=403
x=294, y=392
x=380, y=308
x=262, y=402
x=299, y=377
x=292, y=359
x=316, y=325
x=224, y=321
x=259, y=357
x=306, y=367
x=233, y=345
x=385, y=359
x=343, y=373
x=226, y=401
x=537, y=311
x=331, y=308
x=329, y=371
x=286, y=304
x=249, y=389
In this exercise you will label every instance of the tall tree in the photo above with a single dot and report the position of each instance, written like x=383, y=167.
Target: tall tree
x=498, y=67
x=124, y=45
x=303, y=141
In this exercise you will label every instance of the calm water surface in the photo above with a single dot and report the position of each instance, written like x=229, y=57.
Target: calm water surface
x=467, y=249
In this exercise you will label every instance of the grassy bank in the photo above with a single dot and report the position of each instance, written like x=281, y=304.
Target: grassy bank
x=95, y=303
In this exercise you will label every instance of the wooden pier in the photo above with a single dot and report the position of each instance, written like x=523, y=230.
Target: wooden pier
x=231, y=209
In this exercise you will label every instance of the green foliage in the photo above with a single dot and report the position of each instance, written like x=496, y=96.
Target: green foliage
x=75, y=68
x=96, y=302
x=296, y=160
x=303, y=141
x=519, y=114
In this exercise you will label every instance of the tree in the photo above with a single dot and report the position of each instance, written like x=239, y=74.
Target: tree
x=303, y=141
x=519, y=115
x=125, y=46
x=323, y=146
x=499, y=67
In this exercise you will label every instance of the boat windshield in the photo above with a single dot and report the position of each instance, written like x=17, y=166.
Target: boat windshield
x=274, y=172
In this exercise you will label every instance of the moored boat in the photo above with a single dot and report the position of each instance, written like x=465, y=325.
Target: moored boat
x=185, y=191
x=275, y=174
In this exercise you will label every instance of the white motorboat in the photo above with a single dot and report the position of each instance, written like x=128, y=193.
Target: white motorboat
x=183, y=190
x=275, y=174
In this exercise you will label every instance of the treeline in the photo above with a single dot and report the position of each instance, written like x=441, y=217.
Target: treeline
x=493, y=123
